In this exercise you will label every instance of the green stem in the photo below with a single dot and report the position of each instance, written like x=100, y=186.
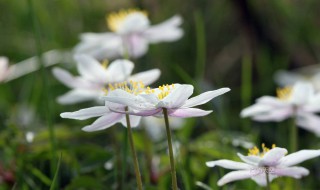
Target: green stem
x=246, y=86
x=133, y=151
x=293, y=136
x=200, y=45
x=124, y=159
x=172, y=165
x=267, y=178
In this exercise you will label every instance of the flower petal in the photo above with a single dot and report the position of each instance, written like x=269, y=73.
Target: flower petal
x=204, y=97
x=273, y=156
x=234, y=176
x=261, y=178
x=301, y=93
x=278, y=114
x=86, y=113
x=119, y=70
x=147, y=77
x=252, y=160
x=177, y=97
x=78, y=95
x=309, y=122
x=229, y=164
x=4, y=65
x=187, y=112
x=70, y=81
x=139, y=113
x=137, y=45
x=166, y=31
x=298, y=157
x=91, y=69
x=296, y=172
x=134, y=120
x=104, y=122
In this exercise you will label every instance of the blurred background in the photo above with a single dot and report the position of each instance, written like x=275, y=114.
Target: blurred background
x=237, y=44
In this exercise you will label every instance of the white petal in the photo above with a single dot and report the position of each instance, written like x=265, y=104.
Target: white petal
x=301, y=93
x=86, y=113
x=261, y=178
x=228, y=164
x=234, y=176
x=78, y=95
x=135, y=22
x=166, y=31
x=136, y=45
x=104, y=122
x=309, y=122
x=177, y=96
x=286, y=78
x=134, y=120
x=147, y=77
x=298, y=157
x=205, y=97
x=187, y=112
x=252, y=160
x=4, y=65
x=72, y=82
x=119, y=70
x=255, y=109
x=296, y=172
x=278, y=114
x=272, y=101
x=273, y=156
x=91, y=69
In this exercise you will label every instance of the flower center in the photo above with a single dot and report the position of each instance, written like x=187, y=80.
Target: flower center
x=131, y=87
x=116, y=19
x=284, y=93
x=164, y=90
x=105, y=63
x=256, y=152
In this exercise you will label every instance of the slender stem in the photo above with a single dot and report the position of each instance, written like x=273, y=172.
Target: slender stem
x=293, y=136
x=124, y=159
x=172, y=165
x=246, y=86
x=134, y=155
x=267, y=178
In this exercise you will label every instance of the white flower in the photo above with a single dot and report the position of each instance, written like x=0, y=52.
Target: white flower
x=4, y=68
x=94, y=77
x=131, y=34
x=272, y=162
x=308, y=74
x=172, y=97
x=107, y=118
x=299, y=101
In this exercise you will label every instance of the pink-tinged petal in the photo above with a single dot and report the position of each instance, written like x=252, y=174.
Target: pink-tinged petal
x=273, y=157
x=134, y=121
x=137, y=45
x=78, y=95
x=91, y=69
x=147, y=77
x=204, y=97
x=296, y=172
x=301, y=93
x=228, y=164
x=309, y=122
x=122, y=97
x=251, y=159
x=187, y=112
x=139, y=113
x=104, y=122
x=86, y=113
x=119, y=70
x=278, y=114
x=177, y=97
x=166, y=31
x=234, y=176
x=298, y=157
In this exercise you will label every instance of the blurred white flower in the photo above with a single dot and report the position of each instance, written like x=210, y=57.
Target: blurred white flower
x=300, y=101
x=155, y=126
x=4, y=68
x=308, y=74
x=131, y=35
x=268, y=162
x=95, y=77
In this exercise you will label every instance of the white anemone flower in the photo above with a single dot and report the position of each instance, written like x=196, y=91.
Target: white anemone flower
x=174, y=98
x=107, y=117
x=299, y=101
x=273, y=162
x=4, y=68
x=94, y=77
x=131, y=35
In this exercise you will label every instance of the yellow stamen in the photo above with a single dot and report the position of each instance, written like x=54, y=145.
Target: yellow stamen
x=165, y=91
x=284, y=93
x=131, y=87
x=116, y=19
x=256, y=152
x=105, y=63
